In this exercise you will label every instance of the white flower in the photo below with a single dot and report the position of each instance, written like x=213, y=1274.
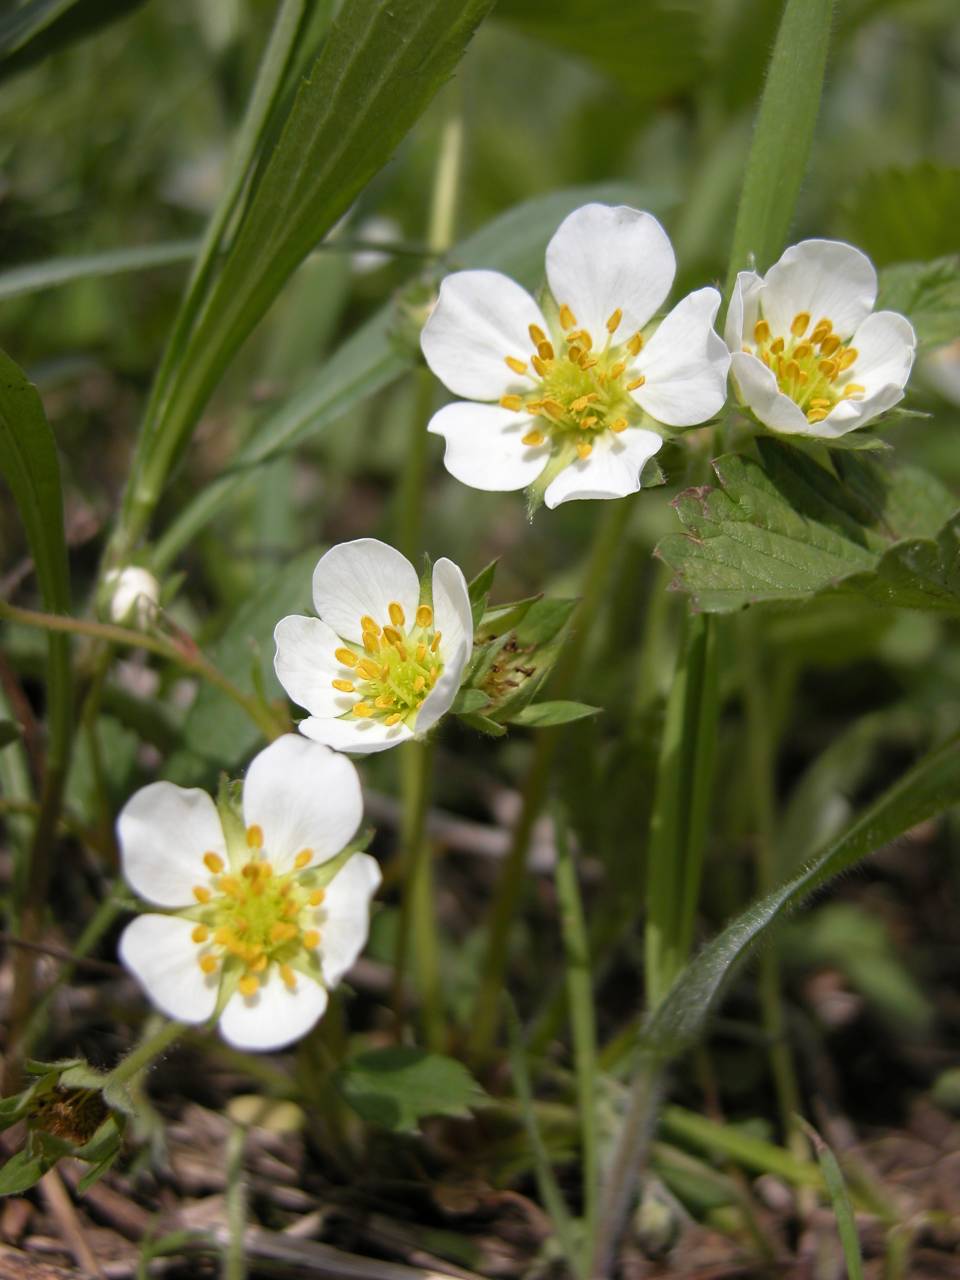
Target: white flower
x=254, y=928
x=573, y=381
x=134, y=595
x=380, y=663
x=810, y=355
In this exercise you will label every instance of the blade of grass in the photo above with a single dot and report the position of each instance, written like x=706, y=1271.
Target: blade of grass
x=842, y=1208
x=33, y=277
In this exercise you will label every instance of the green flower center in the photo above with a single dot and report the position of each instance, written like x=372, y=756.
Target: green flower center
x=582, y=389
x=394, y=669
x=257, y=917
x=814, y=370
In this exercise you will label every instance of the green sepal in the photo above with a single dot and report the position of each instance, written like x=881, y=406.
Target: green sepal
x=478, y=590
x=230, y=810
x=468, y=700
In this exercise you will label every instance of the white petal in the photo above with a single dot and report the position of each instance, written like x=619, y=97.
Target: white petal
x=361, y=737
x=685, y=364
x=302, y=796
x=164, y=831
x=440, y=698
x=481, y=317
x=161, y=955
x=306, y=666
x=886, y=345
x=452, y=615
x=344, y=919
x=484, y=447
x=275, y=1016
x=744, y=309
x=826, y=278
x=363, y=577
x=759, y=392
x=848, y=415
x=605, y=258
x=611, y=471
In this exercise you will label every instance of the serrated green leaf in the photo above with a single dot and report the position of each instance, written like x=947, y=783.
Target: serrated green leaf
x=928, y=294
x=786, y=529
x=924, y=792
x=540, y=715
x=651, y=49
x=396, y=1088
x=905, y=215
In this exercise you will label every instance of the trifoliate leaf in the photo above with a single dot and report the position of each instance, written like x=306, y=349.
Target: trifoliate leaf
x=395, y=1088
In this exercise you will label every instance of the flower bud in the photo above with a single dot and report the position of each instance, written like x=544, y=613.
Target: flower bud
x=133, y=596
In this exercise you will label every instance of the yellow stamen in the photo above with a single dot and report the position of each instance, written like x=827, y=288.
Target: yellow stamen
x=829, y=345
x=792, y=369
x=254, y=836
x=584, y=449
x=536, y=334
x=575, y=354
x=582, y=339
x=384, y=700
x=567, y=318
x=617, y=369
x=249, y=984
x=311, y=939
x=618, y=424
x=201, y=933
x=368, y=624
x=511, y=402
x=761, y=332
x=435, y=642
x=613, y=320
x=371, y=643
x=819, y=402
x=346, y=656
x=852, y=389
x=518, y=366
x=635, y=345
x=397, y=616
x=777, y=346
x=259, y=964
x=553, y=409
x=829, y=368
x=317, y=897
x=208, y=964
x=213, y=862
x=393, y=719
x=816, y=415
x=288, y=976
x=362, y=710
x=800, y=322
x=533, y=438
x=539, y=365
x=637, y=382
x=283, y=931
x=848, y=357
x=424, y=615
x=345, y=686
x=369, y=669
x=303, y=859
x=545, y=350
x=588, y=362
x=590, y=421
x=201, y=894
x=802, y=351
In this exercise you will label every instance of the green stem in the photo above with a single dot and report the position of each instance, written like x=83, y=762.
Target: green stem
x=144, y=1054
x=506, y=900
x=184, y=654
x=234, y=1260
x=583, y=1024
x=415, y=761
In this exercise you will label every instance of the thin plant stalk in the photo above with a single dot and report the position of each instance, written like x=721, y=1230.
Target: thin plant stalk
x=146, y=1052
x=598, y=573
x=415, y=762
x=234, y=1259
x=583, y=1024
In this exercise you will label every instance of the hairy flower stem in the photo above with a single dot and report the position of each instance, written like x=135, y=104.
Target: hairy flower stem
x=607, y=542
x=145, y=1053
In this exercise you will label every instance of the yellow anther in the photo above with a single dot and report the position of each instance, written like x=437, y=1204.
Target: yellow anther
x=213, y=862
x=829, y=368
x=822, y=327
x=371, y=643
x=819, y=402
x=518, y=366
x=613, y=320
x=201, y=933
x=575, y=355
x=392, y=635
x=289, y=977
x=792, y=369
x=588, y=362
x=618, y=424
x=590, y=421
x=230, y=885
x=800, y=323
x=384, y=700
x=584, y=449
x=536, y=334
x=424, y=615
x=317, y=897
x=283, y=931
x=345, y=686
x=581, y=402
x=311, y=939
x=553, y=409
x=362, y=710
x=421, y=652
x=761, y=332
x=208, y=964
x=249, y=985
x=545, y=350
x=393, y=719
x=259, y=964
x=397, y=616
x=852, y=389
x=582, y=339
x=532, y=439
x=346, y=656
x=777, y=346
x=567, y=318
x=540, y=366
x=829, y=345
x=617, y=369
x=534, y=406
x=419, y=683
x=370, y=670
x=635, y=345
x=513, y=403
x=291, y=908
x=384, y=671
x=201, y=894
x=435, y=642
x=802, y=351
x=637, y=382
x=254, y=836
x=848, y=357
x=369, y=624
x=817, y=415
x=303, y=859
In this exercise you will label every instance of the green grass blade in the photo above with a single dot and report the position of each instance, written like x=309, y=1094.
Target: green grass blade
x=926, y=790
x=783, y=135
x=840, y=1199
x=32, y=277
